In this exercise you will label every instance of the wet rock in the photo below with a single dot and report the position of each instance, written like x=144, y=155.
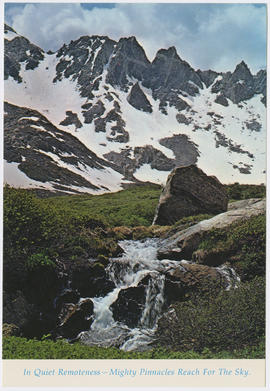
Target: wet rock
x=67, y=296
x=75, y=318
x=189, y=191
x=129, y=306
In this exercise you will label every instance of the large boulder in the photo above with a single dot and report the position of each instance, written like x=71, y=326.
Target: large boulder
x=189, y=191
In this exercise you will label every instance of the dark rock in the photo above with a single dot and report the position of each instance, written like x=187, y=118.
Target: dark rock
x=87, y=106
x=91, y=279
x=87, y=58
x=129, y=306
x=137, y=99
x=154, y=157
x=75, y=318
x=189, y=191
x=71, y=119
x=222, y=100
x=239, y=85
x=67, y=296
x=211, y=258
x=20, y=50
x=182, y=119
x=168, y=71
x=94, y=112
x=128, y=60
x=185, y=151
x=17, y=310
x=260, y=84
x=207, y=77
x=253, y=125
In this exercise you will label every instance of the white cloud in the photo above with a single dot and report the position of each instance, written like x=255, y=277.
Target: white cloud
x=216, y=36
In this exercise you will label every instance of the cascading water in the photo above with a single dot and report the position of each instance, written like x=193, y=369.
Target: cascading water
x=138, y=261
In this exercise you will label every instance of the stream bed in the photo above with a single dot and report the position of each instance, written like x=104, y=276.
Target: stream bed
x=127, y=316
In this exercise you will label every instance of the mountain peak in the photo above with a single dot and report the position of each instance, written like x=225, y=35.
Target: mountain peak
x=170, y=52
x=242, y=65
x=242, y=72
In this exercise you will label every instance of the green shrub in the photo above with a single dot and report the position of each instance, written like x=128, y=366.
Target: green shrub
x=39, y=260
x=242, y=192
x=242, y=244
x=229, y=320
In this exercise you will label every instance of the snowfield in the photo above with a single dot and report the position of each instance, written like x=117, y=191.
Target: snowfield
x=228, y=146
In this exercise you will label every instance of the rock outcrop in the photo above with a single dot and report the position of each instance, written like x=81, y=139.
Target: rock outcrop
x=182, y=244
x=189, y=277
x=137, y=99
x=189, y=191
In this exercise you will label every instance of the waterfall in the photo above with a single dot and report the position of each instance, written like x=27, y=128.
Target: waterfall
x=138, y=267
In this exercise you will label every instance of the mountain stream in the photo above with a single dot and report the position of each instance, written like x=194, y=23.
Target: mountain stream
x=138, y=265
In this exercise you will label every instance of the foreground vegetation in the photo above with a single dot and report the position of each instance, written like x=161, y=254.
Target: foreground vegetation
x=22, y=348
x=40, y=233
x=217, y=320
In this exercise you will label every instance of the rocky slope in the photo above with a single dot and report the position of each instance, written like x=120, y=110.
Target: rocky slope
x=139, y=118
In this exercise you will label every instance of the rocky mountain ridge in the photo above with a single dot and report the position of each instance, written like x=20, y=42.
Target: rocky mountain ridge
x=141, y=118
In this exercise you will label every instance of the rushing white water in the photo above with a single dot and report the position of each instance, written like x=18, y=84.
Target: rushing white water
x=138, y=261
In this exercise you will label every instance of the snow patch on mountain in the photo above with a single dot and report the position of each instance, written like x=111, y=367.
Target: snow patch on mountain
x=162, y=125
x=15, y=177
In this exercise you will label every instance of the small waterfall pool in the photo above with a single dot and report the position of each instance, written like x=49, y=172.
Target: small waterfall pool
x=138, y=261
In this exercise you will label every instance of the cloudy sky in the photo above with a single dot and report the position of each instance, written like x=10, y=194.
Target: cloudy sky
x=208, y=36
